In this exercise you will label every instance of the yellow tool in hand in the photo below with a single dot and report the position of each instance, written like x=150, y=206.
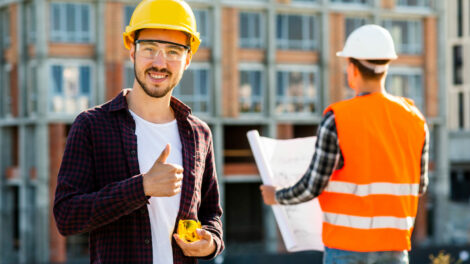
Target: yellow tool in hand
x=187, y=230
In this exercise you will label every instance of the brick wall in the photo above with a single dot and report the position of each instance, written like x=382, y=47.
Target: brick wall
x=13, y=58
x=230, y=74
x=430, y=67
x=388, y=4
x=337, y=64
x=56, y=150
x=115, y=52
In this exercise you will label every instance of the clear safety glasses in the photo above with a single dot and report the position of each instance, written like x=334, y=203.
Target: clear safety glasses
x=150, y=49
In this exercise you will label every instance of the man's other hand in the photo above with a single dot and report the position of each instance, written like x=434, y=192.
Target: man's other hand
x=163, y=179
x=200, y=248
x=269, y=194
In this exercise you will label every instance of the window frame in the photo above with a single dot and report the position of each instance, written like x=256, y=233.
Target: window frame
x=413, y=49
x=79, y=35
x=340, y=2
x=409, y=72
x=454, y=107
x=128, y=65
x=368, y=20
x=206, y=41
x=305, y=2
x=125, y=21
x=31, y=21
x=460, y=170
x=263, y=97
x=5, y=15
x=31, y=100
x=400, y=4
x=5, y=81
x=305, y=44
x=316, y=82
x=196, y=98
x=261, y=39
x=77, y=63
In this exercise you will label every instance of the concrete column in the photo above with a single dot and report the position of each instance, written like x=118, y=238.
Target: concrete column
x=441, y=190
x=3, y=232
x=325, y=59
x=218, y=135
x=217, y=128
x=271, y=60
x=42, y=196
x=273, y=240
x=18, y=95
x=41, y=139
x=217, y=62
x=271, y=237
x=101, y=80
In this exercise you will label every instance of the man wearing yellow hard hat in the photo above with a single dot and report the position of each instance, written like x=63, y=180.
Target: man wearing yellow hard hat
x=138, y=172
x=370, y=162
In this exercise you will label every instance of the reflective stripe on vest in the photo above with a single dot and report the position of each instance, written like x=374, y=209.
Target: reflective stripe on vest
x=373, y=188
x=402, y=223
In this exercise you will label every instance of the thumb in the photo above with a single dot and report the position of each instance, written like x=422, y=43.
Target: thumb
x=264, y=188
x=204, y=234
x=164, y=155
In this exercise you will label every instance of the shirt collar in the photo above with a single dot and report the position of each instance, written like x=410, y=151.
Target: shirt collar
x=119, y=103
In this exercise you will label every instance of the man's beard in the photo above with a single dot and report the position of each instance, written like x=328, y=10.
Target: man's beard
x=155, y=93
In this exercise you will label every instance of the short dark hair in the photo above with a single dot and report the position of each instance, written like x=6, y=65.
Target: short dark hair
x=136, y=34
x=367, y=73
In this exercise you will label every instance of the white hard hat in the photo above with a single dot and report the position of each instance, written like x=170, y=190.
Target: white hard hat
x=369, y=42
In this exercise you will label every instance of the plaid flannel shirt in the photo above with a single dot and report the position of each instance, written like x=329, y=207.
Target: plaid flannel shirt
x=326, y=159
x=100, y=187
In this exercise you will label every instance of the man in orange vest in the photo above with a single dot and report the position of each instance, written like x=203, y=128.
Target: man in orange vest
x=370, y=162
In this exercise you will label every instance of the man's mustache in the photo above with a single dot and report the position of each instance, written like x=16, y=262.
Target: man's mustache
x=164, y=70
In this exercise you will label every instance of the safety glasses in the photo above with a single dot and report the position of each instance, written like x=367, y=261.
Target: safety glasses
x=171, y=51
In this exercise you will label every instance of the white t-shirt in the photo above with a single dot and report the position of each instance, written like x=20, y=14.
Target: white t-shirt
x=151, y=140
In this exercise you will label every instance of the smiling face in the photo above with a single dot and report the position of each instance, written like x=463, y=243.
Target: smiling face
x=158, y=76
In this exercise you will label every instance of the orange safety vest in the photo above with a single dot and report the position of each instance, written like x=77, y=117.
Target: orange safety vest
x=370, y=203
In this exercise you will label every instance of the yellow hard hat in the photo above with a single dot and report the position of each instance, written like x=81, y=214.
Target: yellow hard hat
x=163, y=14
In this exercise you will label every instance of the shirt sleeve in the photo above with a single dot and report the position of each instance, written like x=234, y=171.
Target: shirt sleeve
x=424, y=180
x=79, y=205
x=325, y=159
x=210, y=211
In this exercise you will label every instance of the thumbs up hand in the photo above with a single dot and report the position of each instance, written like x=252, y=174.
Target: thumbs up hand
x=163, y=179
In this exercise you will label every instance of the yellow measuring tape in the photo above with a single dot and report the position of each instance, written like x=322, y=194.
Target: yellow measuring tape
x=187, y=230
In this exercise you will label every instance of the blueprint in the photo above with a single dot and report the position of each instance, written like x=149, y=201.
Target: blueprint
x=282, y=163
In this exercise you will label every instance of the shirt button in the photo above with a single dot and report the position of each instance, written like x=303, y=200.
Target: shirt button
x=142, y=211
x=132, y=152
x=147, y=241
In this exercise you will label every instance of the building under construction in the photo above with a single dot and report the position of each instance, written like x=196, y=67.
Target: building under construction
x=268, y=65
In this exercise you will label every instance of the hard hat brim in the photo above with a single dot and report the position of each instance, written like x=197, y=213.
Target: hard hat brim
x=345, y=55
x=129, y=38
